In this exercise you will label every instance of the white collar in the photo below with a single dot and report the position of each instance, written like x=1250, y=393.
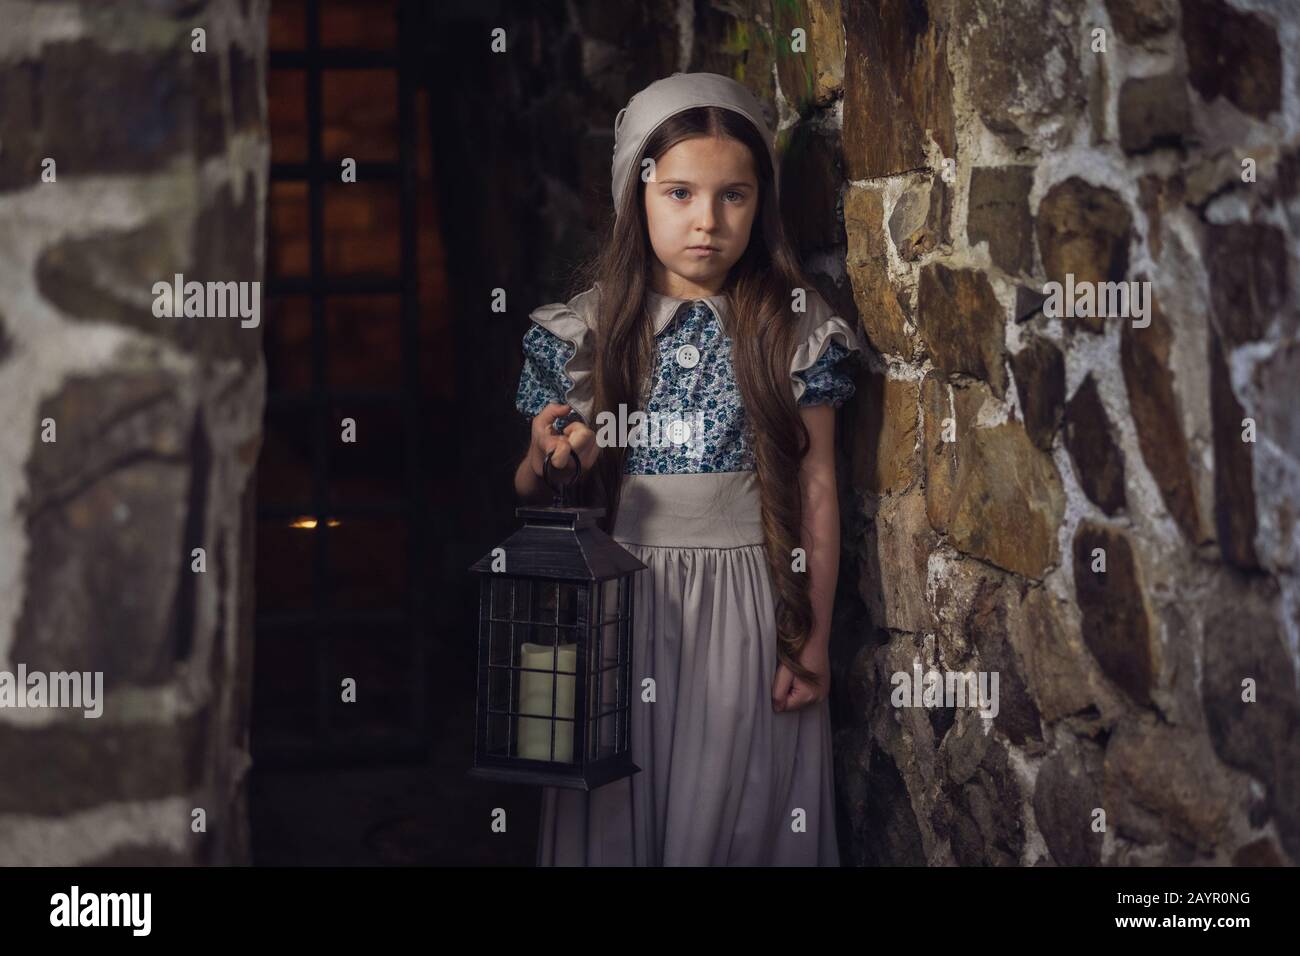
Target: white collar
x=662, y=308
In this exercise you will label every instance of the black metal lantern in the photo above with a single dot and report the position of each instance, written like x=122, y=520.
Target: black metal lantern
x=555, y=650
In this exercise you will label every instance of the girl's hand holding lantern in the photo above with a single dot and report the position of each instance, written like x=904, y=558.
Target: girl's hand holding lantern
x=576, y=439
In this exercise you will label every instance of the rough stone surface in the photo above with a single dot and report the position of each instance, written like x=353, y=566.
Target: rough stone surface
x=1139, y=20
x=888, y=461
x=1084, y=230
x=994, y=494
x=1120, y=692
x=162, y=162
x=999, y=215
x=903, y=540
x=1098, y=460
x=89, y=762
x=1232, y=53
x=104, y=558
x=175, y=106
x=897, y=87
x=1261, y=737
x=1234, y=469
x=110, y=277
x=1115, y=623
x=1053, y=654
x=962, y=323
x=884, y=312
x=1155, y=770
x=1028, y=77
x=1149, y=378
x=1248, y=280
x=1153, y=112
x=1039, y=370
x=1066, y=794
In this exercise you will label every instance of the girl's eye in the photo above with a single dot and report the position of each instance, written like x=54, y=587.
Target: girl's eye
x=740, y=197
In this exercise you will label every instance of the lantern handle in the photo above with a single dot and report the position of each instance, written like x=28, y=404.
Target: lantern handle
x=561, y=493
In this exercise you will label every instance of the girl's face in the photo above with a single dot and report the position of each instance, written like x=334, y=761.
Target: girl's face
x=704, y=194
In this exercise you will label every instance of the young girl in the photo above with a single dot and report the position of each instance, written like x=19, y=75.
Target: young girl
x=698, y=312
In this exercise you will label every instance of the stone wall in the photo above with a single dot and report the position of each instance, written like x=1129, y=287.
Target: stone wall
x=1001, y=451
x=942, y=162
x=130, y=437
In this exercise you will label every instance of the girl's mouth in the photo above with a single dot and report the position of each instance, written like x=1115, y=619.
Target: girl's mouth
x=702, y=251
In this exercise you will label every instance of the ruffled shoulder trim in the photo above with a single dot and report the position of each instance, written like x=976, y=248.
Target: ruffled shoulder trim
x=820, y=327
x=574, y=322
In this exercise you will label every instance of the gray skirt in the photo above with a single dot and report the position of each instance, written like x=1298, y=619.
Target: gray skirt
x=724, y=780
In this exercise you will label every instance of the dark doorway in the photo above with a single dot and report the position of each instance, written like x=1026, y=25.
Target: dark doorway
x=360, y=575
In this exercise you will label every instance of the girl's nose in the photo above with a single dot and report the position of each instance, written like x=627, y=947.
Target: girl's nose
x=707, y=216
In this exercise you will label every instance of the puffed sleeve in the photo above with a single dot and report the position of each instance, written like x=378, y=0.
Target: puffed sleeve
x=819, y=373
x=826, y=381
x=558, y=361
x=542, y=379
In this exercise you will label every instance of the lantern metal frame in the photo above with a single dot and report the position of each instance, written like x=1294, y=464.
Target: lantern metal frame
x=559, y=547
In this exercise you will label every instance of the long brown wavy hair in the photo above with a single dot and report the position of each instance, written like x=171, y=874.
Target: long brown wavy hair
x=762, y=330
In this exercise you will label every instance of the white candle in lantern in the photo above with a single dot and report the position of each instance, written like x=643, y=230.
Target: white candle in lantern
x=535, y=698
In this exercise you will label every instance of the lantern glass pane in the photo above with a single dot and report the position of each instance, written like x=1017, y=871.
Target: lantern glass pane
x=503, y=589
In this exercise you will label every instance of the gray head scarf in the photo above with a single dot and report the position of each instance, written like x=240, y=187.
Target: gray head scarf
x=673, y=94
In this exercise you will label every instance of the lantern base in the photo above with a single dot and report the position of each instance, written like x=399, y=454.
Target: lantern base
x=596, y=777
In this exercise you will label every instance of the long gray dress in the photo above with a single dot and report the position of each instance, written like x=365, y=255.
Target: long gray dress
x=725, y=780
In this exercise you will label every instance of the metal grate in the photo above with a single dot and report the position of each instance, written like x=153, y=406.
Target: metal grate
x=313, y=737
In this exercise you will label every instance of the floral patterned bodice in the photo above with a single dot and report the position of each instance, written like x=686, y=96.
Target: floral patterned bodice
x=695, y=417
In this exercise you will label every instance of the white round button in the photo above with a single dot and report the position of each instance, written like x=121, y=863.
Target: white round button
x=688, y=356
x=679, y=432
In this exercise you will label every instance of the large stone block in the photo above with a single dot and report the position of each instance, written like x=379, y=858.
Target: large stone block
x=1154, y=111
x=893, y=585
x=1243, y=642
x=999, y=215
x=1084, y=230
x=884, y=313
x=993, y=493
x=1025, y=79
x=106, y=515
x=1140, y=20
x=67, y=106
x=1149, y=378
x=74, y=765
x=1039, y=370
x=897, y=87
x=1233, y=53
x=1066, y=794
x=1116, y=623
x=1247, y=265
x=963, y=323
x=1234, y=470
x=922, y=218
x=1050, y=647
x=1098, y=459
x=885, y=452
x=1165, y=775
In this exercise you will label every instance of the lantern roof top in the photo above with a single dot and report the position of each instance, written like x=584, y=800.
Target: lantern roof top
x=561, y=543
